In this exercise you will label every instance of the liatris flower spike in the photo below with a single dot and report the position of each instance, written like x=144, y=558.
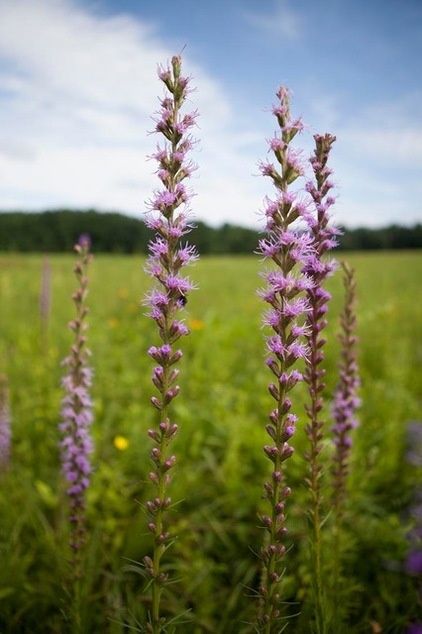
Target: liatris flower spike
x=167, y=256
x=45, y=301
x=5, y=433
x=289, y=249
x=76, y=444
x=318, y=269
x=346, y=400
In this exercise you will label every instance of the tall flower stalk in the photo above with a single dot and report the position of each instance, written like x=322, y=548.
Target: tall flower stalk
x=45, y=302
x=346, y=402
x=413, y=563
x=167, y=257
x=318, y=269
x=5, y=424
x=288, y=248
x=76, y=444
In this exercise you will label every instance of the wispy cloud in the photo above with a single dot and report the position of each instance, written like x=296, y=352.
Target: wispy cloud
x=78, y=87
x=281, y=21
x=390, y=133
x=377, y=157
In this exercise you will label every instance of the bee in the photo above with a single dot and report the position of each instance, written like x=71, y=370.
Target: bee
x=182, y=299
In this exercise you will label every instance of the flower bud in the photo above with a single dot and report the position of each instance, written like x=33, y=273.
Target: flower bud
x=169, y=463
x=153, y=477
x=156, y=402
x=154, y=435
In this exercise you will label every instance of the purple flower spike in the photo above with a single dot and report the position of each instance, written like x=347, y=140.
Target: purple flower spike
x=76, y=444
x=318, y=268
x=5, y=433
x=289, y=249
x=167, y=216
x=45, y=302
x=346, y=400
x=414, y=563
x=84, y=243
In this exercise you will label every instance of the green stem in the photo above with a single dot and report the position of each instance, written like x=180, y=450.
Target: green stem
x=336, y=594
x=159, y=547
x=271, y=586
x=317, y=566
x=314, y=434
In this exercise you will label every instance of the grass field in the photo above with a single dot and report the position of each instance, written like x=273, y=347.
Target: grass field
x=222, y=412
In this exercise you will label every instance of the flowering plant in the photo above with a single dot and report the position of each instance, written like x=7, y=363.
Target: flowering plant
x=76, y=444
x=167, y=257
x=289, y=249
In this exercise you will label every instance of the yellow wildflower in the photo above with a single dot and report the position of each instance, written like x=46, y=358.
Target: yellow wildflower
x=121, y=443
x=196, y=324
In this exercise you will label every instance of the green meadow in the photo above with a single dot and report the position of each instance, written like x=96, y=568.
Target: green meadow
x=221, y=412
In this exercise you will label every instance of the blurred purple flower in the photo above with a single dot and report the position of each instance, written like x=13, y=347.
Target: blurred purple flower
x=346, y=400
x=84, y=242
x=76, y=444
x=414, y=562
x=45, y=301
x=414, y=435
x=5, y=424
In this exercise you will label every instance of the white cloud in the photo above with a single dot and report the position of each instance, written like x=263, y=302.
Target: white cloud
x=65, y=63
x=377, y=157
x=76, y=178
x=75, y=55
x=77, y=91
x=283, y=21
x=396, y=146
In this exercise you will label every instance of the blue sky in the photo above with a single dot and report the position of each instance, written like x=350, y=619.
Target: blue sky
x=78, y=87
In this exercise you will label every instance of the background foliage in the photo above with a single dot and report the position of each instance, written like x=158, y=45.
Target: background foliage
x=57, y=231
x=222, y=411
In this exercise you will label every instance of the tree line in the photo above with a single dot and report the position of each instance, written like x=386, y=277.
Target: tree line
x=58, y=231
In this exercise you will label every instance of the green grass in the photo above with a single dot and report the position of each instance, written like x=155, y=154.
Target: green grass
x=222, y=412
